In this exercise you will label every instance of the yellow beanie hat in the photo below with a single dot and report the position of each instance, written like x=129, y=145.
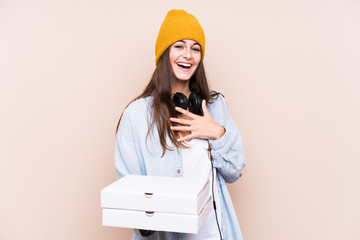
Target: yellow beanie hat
x=178, y=25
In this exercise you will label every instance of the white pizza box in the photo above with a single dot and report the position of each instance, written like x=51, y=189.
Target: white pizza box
x=156, y=193
x=157, y=221
x=156, y=203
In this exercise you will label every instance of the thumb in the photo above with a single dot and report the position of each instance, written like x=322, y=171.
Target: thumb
x=204, y=108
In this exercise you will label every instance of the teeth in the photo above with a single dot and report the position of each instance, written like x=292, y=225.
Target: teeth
x=184, y=64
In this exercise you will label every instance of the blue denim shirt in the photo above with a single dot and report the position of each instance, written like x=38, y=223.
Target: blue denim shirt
x=136, y=154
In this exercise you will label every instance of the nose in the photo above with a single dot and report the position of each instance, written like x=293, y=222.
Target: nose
x=187, y=53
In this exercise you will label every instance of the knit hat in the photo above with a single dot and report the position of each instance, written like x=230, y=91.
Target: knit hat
x=178, y=25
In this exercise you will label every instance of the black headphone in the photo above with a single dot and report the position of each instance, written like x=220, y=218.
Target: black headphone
x=194, y=102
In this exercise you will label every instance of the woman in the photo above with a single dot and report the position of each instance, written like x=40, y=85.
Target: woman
x=155, y=138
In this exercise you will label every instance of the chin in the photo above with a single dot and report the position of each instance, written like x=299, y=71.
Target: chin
x=184, y=77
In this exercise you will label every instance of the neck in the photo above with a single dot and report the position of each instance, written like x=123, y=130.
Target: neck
x=181, y=86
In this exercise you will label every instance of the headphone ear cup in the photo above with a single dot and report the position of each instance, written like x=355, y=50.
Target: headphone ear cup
x=195, y=104
x=180, y=100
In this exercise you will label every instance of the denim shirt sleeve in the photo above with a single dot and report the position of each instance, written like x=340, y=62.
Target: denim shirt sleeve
x=126, y=160
x=227, y=151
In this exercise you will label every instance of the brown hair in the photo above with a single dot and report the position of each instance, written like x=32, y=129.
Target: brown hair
x=159, y=88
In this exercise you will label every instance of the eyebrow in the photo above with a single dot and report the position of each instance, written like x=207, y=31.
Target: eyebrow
x=193, y=44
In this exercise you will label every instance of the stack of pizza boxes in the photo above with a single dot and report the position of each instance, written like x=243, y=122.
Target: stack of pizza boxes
x=172, y=204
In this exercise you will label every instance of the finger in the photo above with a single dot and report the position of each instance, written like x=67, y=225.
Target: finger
x=181, y=128
x=185, y=112
x=186, y=138
x=181, y=121
x=204, y=108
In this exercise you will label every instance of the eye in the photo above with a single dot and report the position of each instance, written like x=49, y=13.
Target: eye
x=178, y=46
x=196, y=49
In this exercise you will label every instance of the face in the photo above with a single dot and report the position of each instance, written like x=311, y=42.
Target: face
x=185, y=56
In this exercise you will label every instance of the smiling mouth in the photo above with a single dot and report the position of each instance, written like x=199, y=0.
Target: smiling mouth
x=184, y=65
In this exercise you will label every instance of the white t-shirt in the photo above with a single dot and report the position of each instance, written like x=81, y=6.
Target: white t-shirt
x=196, y=164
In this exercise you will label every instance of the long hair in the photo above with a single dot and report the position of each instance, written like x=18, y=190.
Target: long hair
x=163, y=108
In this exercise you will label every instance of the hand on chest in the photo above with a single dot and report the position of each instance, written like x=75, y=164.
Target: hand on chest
x=182, y=133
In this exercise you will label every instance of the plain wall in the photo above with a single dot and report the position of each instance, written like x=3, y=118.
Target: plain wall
x=289, y=70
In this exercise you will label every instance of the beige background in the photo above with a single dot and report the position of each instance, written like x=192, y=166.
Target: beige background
x=289, y=69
